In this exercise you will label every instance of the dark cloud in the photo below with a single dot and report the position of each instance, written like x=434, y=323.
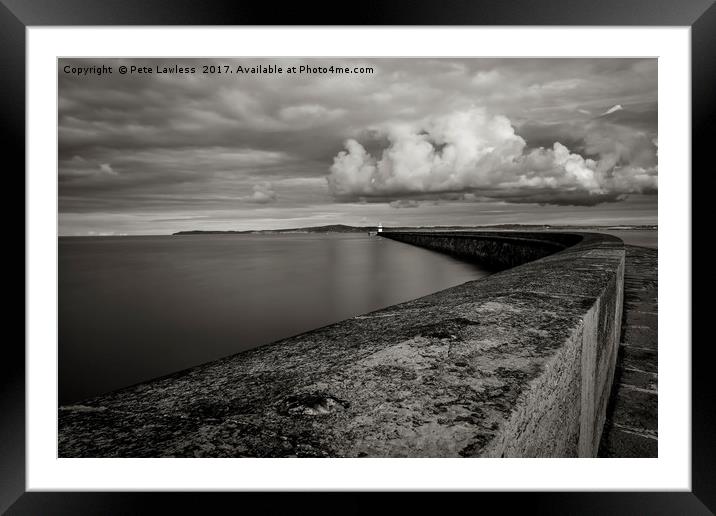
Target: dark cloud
x=164, y=147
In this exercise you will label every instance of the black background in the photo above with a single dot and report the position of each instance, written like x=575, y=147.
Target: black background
x=16, y=15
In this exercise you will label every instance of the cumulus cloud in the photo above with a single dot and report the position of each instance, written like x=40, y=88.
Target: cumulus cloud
x=106, y=168
x=474, y=151
x=627, y=157
x=263, y=193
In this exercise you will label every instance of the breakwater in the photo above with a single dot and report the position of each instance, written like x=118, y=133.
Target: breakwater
x=518, y=364
x=497, y=250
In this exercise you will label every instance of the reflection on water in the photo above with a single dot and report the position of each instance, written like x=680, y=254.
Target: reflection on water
x=133, y=308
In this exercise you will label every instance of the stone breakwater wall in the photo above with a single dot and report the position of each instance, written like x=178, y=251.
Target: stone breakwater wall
x=582, y=367
x=517, y=364
x=496, y=250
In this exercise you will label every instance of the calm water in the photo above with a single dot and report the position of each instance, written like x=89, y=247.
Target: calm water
x=133, y=308
x=643, y=238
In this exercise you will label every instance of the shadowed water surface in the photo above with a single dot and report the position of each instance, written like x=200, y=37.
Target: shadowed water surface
x=133, y=308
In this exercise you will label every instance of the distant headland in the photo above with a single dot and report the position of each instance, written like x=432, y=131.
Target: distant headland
x=343, y=228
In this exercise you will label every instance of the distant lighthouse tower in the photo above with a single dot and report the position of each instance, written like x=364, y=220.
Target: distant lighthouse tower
x=380, y=227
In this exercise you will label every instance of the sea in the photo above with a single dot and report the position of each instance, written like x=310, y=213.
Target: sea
x=134, y=308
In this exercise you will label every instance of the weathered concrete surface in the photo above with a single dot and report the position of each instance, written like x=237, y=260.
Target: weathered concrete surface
x=631, y=429
x=515, y=364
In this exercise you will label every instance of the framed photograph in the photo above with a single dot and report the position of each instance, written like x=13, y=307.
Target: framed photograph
x=418, y=250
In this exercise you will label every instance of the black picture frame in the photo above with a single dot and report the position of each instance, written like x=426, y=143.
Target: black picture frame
x=17, y=15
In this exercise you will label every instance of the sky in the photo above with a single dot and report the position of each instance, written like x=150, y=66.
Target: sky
x=428, y=141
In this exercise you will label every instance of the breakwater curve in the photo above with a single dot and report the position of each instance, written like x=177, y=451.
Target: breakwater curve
x=517, y=364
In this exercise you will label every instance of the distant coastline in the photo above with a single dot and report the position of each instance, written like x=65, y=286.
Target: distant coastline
x=342, y=228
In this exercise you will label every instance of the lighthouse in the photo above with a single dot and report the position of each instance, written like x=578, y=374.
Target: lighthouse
x=380, y=227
